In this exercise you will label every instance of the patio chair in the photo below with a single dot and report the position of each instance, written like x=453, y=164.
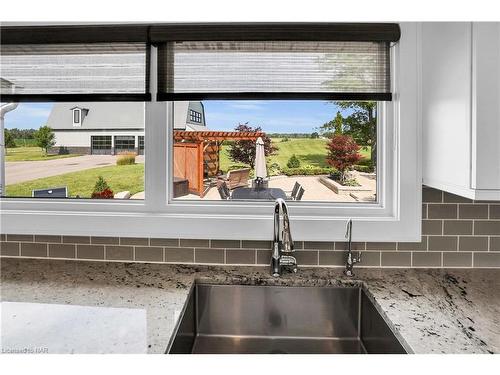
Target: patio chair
x=236, y=178
x=223, y=191
x=297, y=192
x=293, y=193
x=300, y=193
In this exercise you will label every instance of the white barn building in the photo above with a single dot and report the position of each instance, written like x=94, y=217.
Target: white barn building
x=112, y=127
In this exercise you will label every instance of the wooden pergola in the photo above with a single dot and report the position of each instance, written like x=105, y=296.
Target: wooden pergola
x=196, y=153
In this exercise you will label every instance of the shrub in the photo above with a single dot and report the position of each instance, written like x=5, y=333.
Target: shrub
x=351, y=182
x=102, y=189
x=308, y=170
x=343, y=153
x=284, y=139
x=293, y=162
x=274, y=169
x=105, y=194
x=126, y=158
x=363, y=168
x=366, y=162
x=63, y=150
x=335, y=175
x=364, y=165
x=9, y=139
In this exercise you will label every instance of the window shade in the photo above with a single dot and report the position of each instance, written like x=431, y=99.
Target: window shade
x=68, y=71
x=274, y=69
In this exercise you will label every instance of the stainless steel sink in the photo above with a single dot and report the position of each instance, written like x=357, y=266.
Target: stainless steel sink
x=221, y=319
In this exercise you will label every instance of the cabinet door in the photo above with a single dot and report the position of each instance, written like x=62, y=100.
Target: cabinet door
x=486, y=106
x=446, y=105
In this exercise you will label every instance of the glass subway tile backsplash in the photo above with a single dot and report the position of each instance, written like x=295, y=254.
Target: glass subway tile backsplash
x=456, y=232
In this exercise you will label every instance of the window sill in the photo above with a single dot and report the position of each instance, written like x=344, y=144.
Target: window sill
x=221, y=226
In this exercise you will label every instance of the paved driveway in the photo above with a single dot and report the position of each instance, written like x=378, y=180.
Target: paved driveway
x=21, y=171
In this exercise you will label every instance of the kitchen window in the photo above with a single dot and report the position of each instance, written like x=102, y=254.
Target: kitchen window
x=194, y=116
x=333, y=160
x=92, y=162
x=298, y=150
x=168, y=76
x=50, y=81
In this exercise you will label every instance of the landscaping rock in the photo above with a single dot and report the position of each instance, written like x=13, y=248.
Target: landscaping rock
x=139, y=195
x=340, y=189
x=122, y=195
x=364, y=197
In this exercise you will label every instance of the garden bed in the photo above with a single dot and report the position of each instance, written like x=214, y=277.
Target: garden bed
x=341, y=189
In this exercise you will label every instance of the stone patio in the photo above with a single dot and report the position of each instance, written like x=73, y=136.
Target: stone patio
x=314, y=189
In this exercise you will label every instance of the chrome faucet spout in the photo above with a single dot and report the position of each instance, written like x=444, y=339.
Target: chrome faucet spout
x=351, y=260
x=282, y=241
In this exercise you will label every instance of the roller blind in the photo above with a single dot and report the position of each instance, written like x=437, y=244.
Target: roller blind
x=74, y=71
x=281, y=69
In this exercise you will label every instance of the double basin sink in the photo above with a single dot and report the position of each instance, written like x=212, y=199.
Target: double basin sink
x=226, y=319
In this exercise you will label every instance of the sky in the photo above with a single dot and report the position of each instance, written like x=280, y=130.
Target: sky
x=274, y=116
x=28, y=116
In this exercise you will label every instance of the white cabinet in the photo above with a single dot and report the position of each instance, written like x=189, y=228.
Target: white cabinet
x=460, y=101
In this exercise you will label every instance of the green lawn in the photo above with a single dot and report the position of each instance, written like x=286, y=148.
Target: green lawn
x=131, y=177
x=31, y=153
x=309, y=151
x=119, y=178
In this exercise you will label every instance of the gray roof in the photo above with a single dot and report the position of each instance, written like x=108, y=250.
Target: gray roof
x=100, y=115
x=119, y=115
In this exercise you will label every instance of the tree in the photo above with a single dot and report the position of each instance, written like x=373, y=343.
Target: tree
x=335, y=126
x=9, y=139
x=343, y=153
x=314, y=135
x=45, y=138
x=361, y=124
x=244, y=151
x=293, y=162
x=22, y=133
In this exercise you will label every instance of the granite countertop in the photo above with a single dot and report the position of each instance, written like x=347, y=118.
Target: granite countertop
x=132, y=307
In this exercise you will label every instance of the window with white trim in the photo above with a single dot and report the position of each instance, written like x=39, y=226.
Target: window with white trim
x=170, y=78
x=298, y=150
x=194, y=116
x=277, y=155
x=77, y=116
x=96, y=161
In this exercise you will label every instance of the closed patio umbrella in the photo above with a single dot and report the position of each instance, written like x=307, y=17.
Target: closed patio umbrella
x=260, y=160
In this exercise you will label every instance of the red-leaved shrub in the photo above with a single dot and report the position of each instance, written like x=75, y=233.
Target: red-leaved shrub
x=102, y=189
x=342, y=154
x=105, y=194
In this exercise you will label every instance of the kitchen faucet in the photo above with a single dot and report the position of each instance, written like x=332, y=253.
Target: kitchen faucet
x=351, y=260
x=282, y=242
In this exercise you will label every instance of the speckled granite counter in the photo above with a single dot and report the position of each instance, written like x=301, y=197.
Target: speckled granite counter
x=433, y=311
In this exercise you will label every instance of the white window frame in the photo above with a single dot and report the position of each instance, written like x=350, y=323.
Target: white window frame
x=396, y=217
x=77, y=123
